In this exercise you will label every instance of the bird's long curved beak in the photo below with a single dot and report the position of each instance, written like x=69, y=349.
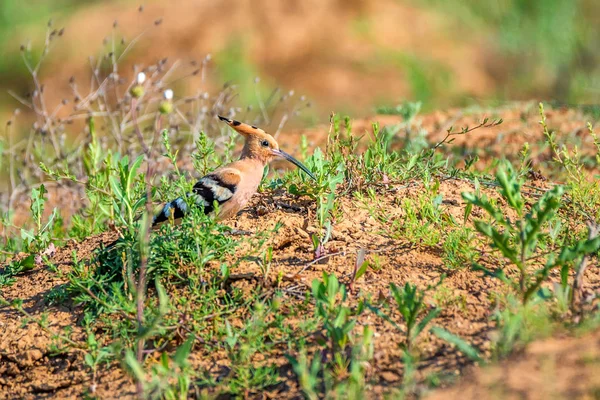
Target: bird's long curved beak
x=283, y=154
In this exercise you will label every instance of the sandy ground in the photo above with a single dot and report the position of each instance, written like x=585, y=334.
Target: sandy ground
x=561, y=367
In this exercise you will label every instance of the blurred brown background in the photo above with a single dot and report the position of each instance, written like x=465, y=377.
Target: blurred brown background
x=348, y=56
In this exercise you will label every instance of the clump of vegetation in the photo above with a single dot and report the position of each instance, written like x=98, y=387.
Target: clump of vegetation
x=520, y=240
x=197, y=309
x=410, y=303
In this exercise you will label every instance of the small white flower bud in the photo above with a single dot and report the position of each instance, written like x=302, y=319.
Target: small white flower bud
x=141, y=78
x=168, y=94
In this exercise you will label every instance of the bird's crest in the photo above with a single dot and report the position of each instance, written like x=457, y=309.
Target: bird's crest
x=258, y=143
x=244, y=129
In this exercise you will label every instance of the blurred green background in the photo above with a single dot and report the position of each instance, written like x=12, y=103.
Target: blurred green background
x=344, y=55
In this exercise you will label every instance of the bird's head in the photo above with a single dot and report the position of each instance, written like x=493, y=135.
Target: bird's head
x=260, y=145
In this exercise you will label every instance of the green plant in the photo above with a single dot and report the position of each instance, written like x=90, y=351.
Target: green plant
x=329, y=175
x=409, y=374
x=447, y=298
x=518, y=324
x=325, y=205
x=58, y=295
x=360, y=268
x=127, y=202
x=198, y=240
x=422, y=220
x=362, y=354
x=584, y=192
x=460, y=344
x=407, y=110
x=307, y=373
x=519, y=240
x=96, y=356
x=415, y=138
x=410, y=303
x=39, y=238
x=265, y=265
x=379, y=162
x=459, y=251
x=8, y=273
x=241, y=345
x=329, y=297
x=170, y=378
x=317, y=377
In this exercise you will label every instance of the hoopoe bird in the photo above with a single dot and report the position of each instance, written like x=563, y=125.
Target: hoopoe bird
x=233, y=185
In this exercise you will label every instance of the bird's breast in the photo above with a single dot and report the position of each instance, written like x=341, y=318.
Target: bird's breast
x=251, y=175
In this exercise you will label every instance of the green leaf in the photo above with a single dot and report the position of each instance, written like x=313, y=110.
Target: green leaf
x=580, y=248
x=484, y=227
x=541, y=212
x=116, y=188
x=361, y=270
x=139, y=204
x=225, y=272
x=564, y=275
x=231, y=338
x=500, y=240
x=332, y=286
x=383, y=315
x=510, y=187
x=133, y=170
x=89, y=360
x=468, y=210
x=428, y=318
x=27, y=263
x=412, y=162
x=91, y=340
x=163, y=298
x=460, y=344
x=51, y=219
x=498, y=274
x=361, y=264
x=27, y=235
x=484, y=203
x=182, y=353
x=134, y=366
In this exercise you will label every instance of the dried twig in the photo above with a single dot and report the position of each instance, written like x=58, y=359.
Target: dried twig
x=316, y=260
x=450, y=132
x=141, y=284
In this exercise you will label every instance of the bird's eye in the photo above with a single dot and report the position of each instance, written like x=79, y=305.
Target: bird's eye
x=265, y=143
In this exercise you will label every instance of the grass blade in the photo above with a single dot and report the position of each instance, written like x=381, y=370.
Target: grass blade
x=460, y=344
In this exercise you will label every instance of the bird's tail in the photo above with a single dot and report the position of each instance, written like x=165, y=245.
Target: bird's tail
x=174, y=209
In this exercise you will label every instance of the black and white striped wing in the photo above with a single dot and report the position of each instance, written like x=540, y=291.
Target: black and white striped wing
x=211, y=188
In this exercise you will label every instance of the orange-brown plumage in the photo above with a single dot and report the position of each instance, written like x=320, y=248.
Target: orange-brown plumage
x=234, y=184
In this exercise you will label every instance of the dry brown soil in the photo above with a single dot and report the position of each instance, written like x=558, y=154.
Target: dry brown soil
x=29, y=369
x=556, y=368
